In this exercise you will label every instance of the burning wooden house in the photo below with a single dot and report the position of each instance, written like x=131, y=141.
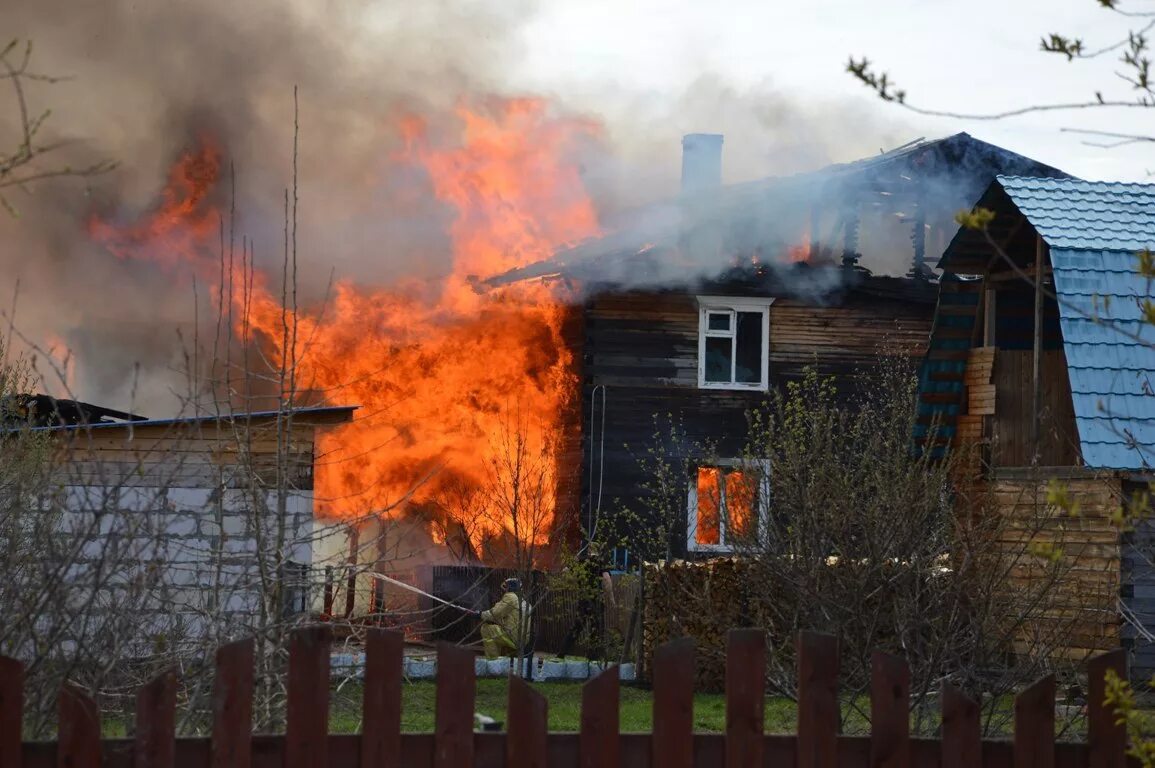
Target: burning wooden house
x=705, y=303
x=186, y=527
x=1040, y=359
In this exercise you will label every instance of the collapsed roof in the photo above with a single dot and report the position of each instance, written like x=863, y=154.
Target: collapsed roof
x=48, y=411
x=919, y=184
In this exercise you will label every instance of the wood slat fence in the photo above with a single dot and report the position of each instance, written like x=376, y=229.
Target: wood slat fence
x=307, y=743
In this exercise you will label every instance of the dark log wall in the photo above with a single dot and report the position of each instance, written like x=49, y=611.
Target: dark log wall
x=640, y=358
x=844, y=340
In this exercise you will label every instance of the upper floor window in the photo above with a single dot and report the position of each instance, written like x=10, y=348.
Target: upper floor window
x=733, y=342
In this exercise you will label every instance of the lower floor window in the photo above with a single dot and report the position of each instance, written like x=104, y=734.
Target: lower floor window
x=725, y=506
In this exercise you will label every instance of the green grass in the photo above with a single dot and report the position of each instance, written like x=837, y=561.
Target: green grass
x=418, y=701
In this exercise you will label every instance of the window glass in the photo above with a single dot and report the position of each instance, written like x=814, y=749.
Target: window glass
x=732, y=343
x=719, y=321
x=708, y=529
x=719, y=355
x=741, y=499
x=749, y=344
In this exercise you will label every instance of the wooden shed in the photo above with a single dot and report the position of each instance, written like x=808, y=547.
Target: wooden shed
x=1040, y=360
x=204, y=516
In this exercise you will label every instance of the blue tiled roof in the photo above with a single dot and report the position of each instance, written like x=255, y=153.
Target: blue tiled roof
x=1087, y=215
x=1094, y=230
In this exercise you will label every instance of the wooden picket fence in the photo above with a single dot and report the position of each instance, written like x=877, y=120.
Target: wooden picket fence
x=307, y=743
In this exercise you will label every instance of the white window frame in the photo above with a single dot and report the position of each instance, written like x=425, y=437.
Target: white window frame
x=708, y=305
x=763, y=511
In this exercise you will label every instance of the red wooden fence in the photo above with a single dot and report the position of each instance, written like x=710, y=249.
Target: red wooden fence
x=527, y=744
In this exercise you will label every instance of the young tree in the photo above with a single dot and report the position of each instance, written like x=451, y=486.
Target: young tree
x=885, y=547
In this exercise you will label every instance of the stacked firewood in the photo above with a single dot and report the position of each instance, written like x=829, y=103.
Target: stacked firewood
x=702, y=600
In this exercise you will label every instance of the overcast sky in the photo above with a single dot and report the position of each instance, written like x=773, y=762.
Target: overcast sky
x=978, y=56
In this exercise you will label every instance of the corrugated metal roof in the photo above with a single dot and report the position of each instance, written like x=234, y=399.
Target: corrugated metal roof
x=1094, y=230
x=960, y=164
x=302, y=415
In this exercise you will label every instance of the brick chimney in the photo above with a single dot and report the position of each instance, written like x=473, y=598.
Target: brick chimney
x=702, y=234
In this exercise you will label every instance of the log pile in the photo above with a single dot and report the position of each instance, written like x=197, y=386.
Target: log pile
x=677, y=597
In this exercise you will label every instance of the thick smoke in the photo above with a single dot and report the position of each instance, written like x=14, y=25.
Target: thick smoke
x=768, y=133
x=149, y=79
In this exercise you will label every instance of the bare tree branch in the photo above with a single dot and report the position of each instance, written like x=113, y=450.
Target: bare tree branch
x=30, y=160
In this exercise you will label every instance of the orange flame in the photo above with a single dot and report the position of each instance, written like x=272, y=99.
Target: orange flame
x=442, y=379
x=798, y=254
x=185, y=222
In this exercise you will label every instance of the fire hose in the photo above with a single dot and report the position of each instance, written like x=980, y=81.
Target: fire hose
x=411, y=588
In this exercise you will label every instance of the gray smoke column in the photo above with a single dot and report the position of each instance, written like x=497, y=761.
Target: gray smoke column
x=149, y=80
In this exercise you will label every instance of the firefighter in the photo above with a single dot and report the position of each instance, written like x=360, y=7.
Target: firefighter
x=503, y=627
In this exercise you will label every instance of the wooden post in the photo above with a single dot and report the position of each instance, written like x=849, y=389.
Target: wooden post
x=380, y=566
x=327, y=608
x=527, y=740
x=918, y=237
x=1037, y=357
x=818, y=666
x=599, y=745
x=155, y=735
x=962, y=745
x=988, y=339
x=307, y=713
x=640, y=650
x=381, y=700
x=672, y=742
x=11, y=712
x=889, y=711
x=1106, y=736
x=745, y=697
x=456, y=694
x=351, y=586
x=78, y=742
x=1035, y=725
x=232, y=738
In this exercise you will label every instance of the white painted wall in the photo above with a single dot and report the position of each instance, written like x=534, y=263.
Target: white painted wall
x=187, y=564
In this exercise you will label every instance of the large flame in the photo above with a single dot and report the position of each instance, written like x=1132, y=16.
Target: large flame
x=450, y=381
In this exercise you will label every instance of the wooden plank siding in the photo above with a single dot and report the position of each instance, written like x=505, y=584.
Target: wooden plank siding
x=639, y=359
x=1011, y=427
x=187, y=455
x=1084, y=609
